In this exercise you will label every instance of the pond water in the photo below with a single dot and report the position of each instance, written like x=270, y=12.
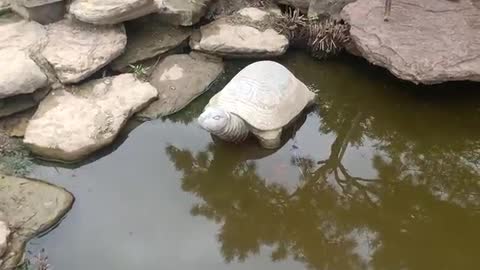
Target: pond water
x=381, y=174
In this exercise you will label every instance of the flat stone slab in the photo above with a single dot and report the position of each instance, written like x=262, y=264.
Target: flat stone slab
x=179, y=79
x=20, y=34
x=182, y=12
x=149, y=37
x=22, y=76
x=71, y=124
x=426, y=41
x=76, y=50
x=111, y=11
x=248, y=33
x=31, y=207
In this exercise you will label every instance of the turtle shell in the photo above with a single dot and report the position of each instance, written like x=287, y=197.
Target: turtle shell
x=265, y=94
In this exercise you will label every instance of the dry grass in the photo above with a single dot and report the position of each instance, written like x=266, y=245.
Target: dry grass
x=321, y=38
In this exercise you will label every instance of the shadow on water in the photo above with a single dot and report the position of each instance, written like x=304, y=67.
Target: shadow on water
x=382, y=174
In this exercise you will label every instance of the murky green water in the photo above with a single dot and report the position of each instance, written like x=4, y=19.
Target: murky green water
x=380, y=175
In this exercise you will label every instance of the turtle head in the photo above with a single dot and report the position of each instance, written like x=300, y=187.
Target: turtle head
x=214, y=120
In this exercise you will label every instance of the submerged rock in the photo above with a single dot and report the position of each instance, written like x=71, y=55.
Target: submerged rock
x=426, y=41
x=71, y=124
x=4, y=234
x=32, y=207
x=15, y=125
x=248, y=33
x=111, y=11
x=179, y=79
x=182, y=12
x=22, y=76
x=149, y=37
x=76, y=50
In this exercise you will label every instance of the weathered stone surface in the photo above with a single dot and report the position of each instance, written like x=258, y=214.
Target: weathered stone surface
x=19, y=34
x=181, y=12
x=22, y=76
x=248, y=33
x=111, y=11
x=69, y=125
x=4, y=234
x=149, y=37
x=179, y=79
x=15, y=104
x=321, y=9
x=425, y=41
x=32, y=207
x=76, y=50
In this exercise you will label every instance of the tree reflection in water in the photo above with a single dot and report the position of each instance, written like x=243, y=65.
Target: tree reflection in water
x=422, y=211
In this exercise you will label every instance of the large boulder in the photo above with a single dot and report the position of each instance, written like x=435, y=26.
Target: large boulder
x=182, y=12
x=149, y=37
x=248, y=33
x=71, y=124
x=427, y=41
x=111, y=11
x=179, y=79
x=22, y=76
x=76, y=50
x=32, y=207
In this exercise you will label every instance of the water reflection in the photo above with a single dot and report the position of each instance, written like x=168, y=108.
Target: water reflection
x=381, y=174
x=420, y=211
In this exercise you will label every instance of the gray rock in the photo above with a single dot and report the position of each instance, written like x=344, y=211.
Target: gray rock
x=425, y=41
x=76, y=50
x=4, y=234
x=71, y=124
x=4, y=6
x=149, y=37
x=300, y=4
x=179, y=79
x=248, y=33
x=32, y=207
x=182, y=12
x=15, y=104
x=42, y=11
x=111, y=11
x=19, y=34
x=22, y=76
x=321, y=9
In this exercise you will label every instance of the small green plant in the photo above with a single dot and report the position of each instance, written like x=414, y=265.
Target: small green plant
x=139, y=71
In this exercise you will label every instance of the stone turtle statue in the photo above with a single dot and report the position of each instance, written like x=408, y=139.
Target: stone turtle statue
x=261, y=99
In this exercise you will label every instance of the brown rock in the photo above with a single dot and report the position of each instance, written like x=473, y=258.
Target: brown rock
x=428, y=41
